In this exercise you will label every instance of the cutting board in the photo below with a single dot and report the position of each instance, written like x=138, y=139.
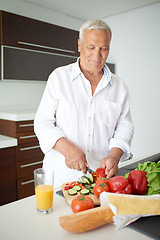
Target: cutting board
x=69, y=198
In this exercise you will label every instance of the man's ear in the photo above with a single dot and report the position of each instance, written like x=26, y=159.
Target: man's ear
x=79, y=45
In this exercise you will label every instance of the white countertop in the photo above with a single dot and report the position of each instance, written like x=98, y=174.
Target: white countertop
x=18, y=112
x=6, y=142
x=19, y=220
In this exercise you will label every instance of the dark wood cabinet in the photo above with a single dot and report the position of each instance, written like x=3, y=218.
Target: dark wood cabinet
x=8, y=185
x=28, y=155
x=31, y=49
x=18, y=30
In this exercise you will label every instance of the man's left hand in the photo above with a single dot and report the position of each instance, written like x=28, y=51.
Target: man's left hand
x=110, y=163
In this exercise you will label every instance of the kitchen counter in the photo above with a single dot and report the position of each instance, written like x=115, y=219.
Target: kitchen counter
x=18, y=113
x=6, y=142
x=19, y=220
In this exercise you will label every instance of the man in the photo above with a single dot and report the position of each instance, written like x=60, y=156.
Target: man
x=84, y=115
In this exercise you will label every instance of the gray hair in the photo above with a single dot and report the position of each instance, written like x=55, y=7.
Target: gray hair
x=94, y=24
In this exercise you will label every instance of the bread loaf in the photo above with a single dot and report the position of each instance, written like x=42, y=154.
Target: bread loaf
x=86, y=220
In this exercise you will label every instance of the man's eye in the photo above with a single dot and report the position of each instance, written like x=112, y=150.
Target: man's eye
x=90, y=48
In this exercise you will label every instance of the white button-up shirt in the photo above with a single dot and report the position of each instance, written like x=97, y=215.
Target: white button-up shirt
x=94, y=123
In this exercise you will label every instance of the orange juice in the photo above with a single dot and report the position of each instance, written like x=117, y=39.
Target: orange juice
x=44, y=197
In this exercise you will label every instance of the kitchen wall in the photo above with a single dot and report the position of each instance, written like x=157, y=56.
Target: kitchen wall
x=135, y=50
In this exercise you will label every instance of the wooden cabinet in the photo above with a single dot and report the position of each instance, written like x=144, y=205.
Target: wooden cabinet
x=8, y=186
x=31, y=49
x=28, y=154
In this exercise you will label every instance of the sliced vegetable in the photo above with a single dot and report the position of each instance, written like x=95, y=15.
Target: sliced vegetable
x=84, y=191
x=77, y=188
x=85, y=180
x=91, y=178
x=72, y=191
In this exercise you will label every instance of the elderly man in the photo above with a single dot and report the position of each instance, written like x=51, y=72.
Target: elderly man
x=84, y=115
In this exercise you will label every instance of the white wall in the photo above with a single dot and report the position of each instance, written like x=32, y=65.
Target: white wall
x=29, y=93
x=135, y=49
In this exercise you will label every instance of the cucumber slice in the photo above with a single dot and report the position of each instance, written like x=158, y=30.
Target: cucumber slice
x=72, y=191
x=91, y=191
x=91, y=178
x=85, y=180
x=89, y=187
x=84, y=191
x=80, y=182
x=76, y=187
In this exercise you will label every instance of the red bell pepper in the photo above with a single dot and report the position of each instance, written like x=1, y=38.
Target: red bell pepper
x=138, y=181
x=119, y=184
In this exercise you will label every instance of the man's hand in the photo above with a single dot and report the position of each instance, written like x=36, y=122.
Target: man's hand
x=110, y=163
x=75, y=158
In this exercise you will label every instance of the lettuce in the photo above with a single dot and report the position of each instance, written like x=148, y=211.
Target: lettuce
x=153, y=176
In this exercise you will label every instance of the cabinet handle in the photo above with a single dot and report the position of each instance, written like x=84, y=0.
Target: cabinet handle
x=47, y=47
x=29, y=136
x=27, y=182
x=26, y=125
x=30, y=164
x=29, y=148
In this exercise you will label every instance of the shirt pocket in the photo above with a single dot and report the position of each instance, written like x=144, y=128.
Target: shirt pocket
x=110, y=113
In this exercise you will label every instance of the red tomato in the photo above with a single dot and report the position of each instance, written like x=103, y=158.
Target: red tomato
x=81, y=203
x=99, y=188
x=101, y=171
x=102, y=180
x=117, y=184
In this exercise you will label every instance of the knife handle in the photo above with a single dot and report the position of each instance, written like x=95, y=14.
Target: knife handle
x=86, y=220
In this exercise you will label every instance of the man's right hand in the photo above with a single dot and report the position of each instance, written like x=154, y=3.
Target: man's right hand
x=75, y=158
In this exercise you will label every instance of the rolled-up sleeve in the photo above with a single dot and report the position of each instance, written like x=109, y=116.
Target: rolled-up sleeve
x=45, y=122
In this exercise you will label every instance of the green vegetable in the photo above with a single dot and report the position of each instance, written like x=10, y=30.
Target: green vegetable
x=153, y=176
x=84, y=191
x=72, y=191
x=77, y=188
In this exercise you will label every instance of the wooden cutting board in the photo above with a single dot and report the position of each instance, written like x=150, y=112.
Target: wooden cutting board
x=69, y=198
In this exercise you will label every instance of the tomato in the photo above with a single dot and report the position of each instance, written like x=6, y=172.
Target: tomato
x=119, y=184
x=102, y=180
x=101, y=171
x=81, y=203
x=99, y=188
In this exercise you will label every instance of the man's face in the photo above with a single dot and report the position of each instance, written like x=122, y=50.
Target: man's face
x=94, y=50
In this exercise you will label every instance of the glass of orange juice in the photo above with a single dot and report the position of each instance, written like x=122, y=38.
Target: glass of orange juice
x=44, y=186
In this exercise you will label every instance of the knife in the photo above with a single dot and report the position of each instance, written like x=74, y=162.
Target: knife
x=90, y=170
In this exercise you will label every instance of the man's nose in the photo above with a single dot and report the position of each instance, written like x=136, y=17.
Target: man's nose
x=97, y=53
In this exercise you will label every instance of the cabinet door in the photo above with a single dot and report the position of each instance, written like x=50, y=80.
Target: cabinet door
x=8, y=192
x=7, y=164
x=8, y=187
x=18, y=30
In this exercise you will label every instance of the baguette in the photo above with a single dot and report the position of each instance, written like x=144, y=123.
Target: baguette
x=86, y=220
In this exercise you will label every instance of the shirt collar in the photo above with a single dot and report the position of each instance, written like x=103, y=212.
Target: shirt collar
x=76, y=71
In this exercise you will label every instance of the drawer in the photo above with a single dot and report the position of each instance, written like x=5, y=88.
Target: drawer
x=28, y=151
x=25, y=126
x=7, y=164
x=26, y=137
x=26, y=168
x=25, y=187
x=8, y=192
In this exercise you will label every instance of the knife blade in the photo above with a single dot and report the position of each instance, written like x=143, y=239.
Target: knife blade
x=89, y=170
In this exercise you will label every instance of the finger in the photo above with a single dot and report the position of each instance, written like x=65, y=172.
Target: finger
x=113, y=171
